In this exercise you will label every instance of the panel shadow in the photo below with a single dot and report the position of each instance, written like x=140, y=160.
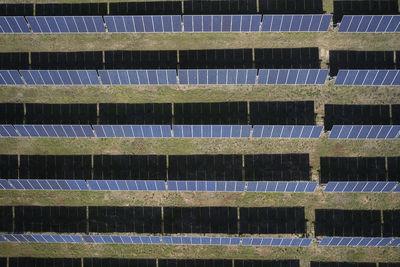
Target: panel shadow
x=205, y=167
x=352, y=169
x=216, y=59
x=282, y=113
x=227, y=113
x=343, y=59
x=360, y=223
x=86, y=9
x=146, y=8
x=206, y=7
x=287, y=58
x=356, y=115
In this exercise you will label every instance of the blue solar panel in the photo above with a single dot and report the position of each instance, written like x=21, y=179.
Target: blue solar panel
x=292, y=76
x=10, y=77
x=13, y=25
x=370, y=24
x=60, y=77
x=360, y=186
x=223, y=76
x=224, y=23
x=282, y=187
x=66, y=24
x=143, y=24
x=364, y=132
x=286, y=131
x=368, y=77
x=295, y=23
x=138, y=77
x=355, y=241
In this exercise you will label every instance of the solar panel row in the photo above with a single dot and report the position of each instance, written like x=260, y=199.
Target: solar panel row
x=122, y=24
x=292, y=76
x=55, y=130
x=67, y=24
x=222, y=76
x=152, y=24
x=166, y=240
x=368, y=77
x=133, y=131
x=163, y=77
x=13, y=25
x=282, y=187
x=158, y=185
x=201, y=131
x=377, y=187
x=286, y=131
x=364, y=132
x=378, y=24
x=225, y=23
x=212, y=131
x=296, y=23
x=60, y=77
x=210, y=186
x=284, y=242
x=137, y=77
x=126, y=185
x=356, y=241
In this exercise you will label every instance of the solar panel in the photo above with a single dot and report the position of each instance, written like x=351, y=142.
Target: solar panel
x=221, y=23
x=60, y=77
x=5, y=185
x=217, y=77
x=143, y=24
x=293, y=242
x=15, y=24
x=211, y=186
x=133, y=131
x=355, y=241
x=368, y=78
x=54, y=130
x=292, y=76
x=138, y=77
x=10, y=77
x=365, y=132
x=286, y=131
x=7, y=130
x=370, y=24
x=211, y=131
x=66, y=24
x=282, y=187
x=376, y=187
x=295, y=23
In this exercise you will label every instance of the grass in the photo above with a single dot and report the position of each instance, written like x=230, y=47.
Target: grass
x=317, y=200
x=312, y=253
x=326, y=41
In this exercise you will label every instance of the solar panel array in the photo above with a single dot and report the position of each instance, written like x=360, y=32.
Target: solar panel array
x=66, y=24
x=224, y=23
x=127, y=185
x=210, y=186
x=133, y=131
x=365, y=132
x=164, y=77
x=156, y=240
x=10, y=77
x=139, y=24
x=212, y=131
x=356, y=241
x=60, y=77
x=368, y=77
x=13, y=25
x=296, y=23
x=165, y=24
x=292, y=76
x=54, y=130
x=158, y=185
x=221, y=76
x=286, y=131
x=282, y=187
x=137, y=77
x=282, y=242
x=370, y=24
x=376, y=187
